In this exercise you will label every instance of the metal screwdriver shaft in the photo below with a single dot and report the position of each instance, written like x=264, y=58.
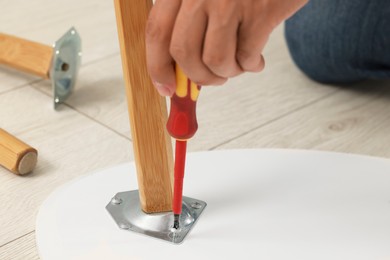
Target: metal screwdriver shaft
x=180, y=160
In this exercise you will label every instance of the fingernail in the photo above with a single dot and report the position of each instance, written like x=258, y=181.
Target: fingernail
x=164, y=90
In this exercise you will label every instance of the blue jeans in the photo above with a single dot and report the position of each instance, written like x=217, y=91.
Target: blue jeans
x=341, y=41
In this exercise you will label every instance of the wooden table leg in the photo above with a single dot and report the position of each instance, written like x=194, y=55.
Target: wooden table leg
x=25, y=55
x=15, y=155
x=147, y=110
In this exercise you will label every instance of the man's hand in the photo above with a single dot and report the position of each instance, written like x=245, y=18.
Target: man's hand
x=211, y=40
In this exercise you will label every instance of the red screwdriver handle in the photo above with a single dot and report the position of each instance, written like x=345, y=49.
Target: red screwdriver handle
x=182, y=123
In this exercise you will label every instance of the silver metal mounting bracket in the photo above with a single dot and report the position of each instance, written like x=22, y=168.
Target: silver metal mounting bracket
x=125, y=209
x=65, y=65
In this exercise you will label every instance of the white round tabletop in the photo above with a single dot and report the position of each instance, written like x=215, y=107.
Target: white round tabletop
x=262, y=204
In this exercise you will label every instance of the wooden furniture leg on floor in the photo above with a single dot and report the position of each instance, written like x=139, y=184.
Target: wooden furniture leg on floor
x=15, y=155
x=59, y=63
x=25, y=55
x=147, y=110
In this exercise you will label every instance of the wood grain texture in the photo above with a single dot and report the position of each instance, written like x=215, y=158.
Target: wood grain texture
x=353, y=120
x=223, y=113
x=277, y=108
x=24, y=55
x=254, y=99
x=100, y=94
x=16, y=155
x=21, y=249
x=147, y=110
x=46, y=21
x=69, y=144
x=11, y=79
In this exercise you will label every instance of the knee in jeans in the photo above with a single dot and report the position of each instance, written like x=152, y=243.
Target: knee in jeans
x=319, y=51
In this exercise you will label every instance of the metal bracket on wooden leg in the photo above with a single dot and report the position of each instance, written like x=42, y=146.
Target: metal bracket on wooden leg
x=65, y=65
x=126, y=211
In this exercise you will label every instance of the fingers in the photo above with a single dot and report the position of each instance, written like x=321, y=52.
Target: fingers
x=219, y=53
x=210, y=40
x=158, y=37
x=187, y=44
x=252, y=38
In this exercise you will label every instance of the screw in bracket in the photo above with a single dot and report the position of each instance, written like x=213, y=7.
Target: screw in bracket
x=124, y=226
x=116, y=200
x=196, y=205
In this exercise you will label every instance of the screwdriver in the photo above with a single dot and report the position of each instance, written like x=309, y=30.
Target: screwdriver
x=181, y=125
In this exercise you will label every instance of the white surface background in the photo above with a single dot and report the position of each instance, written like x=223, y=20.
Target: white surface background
x=262, y=204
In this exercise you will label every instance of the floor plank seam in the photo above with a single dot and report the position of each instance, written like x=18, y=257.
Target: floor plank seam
x=21, y=86
x=35, y=81
x=13, y=240
x=276, y=119
x=100, y=123
x=85, y=115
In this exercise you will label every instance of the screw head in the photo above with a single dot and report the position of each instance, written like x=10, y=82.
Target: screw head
x=124, y=226
x=174, y=235
x=196, y=205
x=116, y=200
x=174, y=230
